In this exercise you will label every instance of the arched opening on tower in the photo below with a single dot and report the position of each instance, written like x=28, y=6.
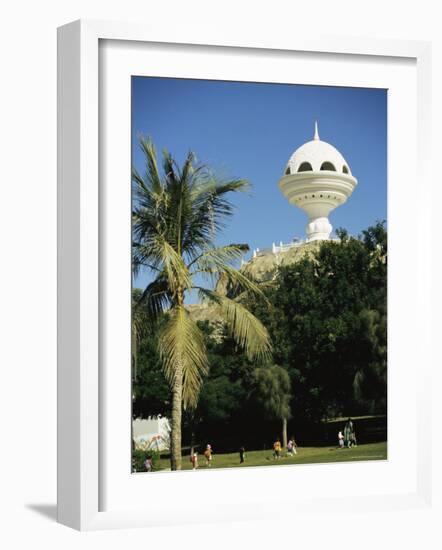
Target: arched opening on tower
x=345, y=169
x=305, y=167
x=328, y=166
x=287, y=171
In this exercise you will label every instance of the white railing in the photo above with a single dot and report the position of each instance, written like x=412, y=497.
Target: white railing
x=282, y=247
x=276, y=249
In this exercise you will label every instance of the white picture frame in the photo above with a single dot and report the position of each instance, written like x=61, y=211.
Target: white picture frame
x=80, y=262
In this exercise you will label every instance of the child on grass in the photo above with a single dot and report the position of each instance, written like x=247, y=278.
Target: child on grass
x=341, y=439
x=194, y=460
x=208, y=455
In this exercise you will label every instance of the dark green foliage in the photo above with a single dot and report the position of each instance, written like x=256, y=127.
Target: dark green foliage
x=225, y=395
x=150, y=390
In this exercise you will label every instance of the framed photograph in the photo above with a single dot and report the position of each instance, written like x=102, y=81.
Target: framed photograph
x=235, y=227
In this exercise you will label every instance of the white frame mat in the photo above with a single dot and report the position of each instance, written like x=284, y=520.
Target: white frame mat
x=83, y=476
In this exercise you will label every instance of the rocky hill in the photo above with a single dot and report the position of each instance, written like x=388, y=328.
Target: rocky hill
x=264, y=266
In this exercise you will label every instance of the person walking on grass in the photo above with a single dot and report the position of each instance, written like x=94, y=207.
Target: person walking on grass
x=208, y=455
x=341, y=440
x=353, y=439
x=277, y=449
x=148, y=464
x=194, y=460
x=242, y=455
x=348, y=430
x=291, y=446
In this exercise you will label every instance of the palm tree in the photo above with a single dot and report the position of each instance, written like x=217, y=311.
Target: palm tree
x=177, y=215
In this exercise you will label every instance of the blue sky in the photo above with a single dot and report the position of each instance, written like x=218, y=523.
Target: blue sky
x=250, y=130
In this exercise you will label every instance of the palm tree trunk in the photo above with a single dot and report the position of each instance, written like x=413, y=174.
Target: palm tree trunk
x=284, y=433
x=192, y=443
x=175, y=436
x=192, y=435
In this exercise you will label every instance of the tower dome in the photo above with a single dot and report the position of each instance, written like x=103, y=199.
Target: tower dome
x=317, y=179
x=316, y=155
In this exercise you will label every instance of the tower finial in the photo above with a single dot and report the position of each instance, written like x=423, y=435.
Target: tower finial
x=316, y=136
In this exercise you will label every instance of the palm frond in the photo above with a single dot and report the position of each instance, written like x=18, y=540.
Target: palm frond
x=215, y=263
x=174, y=267
x=152, y=175
x=182, y=348
x=188, y=167
x=242, y=282
x=164, y=258
x=241, y=295
x=212, y=186
x=208, y=209
x=154, y=300
x=245, y=328
x=214, y=257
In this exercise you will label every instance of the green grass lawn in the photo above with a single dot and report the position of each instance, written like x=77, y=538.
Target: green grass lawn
x=306, y=455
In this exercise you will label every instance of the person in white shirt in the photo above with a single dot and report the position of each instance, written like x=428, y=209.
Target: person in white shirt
x=291, y=447
x=341, y=439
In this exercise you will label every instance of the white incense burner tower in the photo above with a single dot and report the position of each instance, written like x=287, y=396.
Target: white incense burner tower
x=317, y=179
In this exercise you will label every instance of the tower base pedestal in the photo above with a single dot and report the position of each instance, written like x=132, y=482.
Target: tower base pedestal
x=318, y=229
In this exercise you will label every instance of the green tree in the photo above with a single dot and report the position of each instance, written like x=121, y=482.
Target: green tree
x=177, y=215
x=272, y=387
x=327, y=321
x=140, y=326
x=150, y=391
